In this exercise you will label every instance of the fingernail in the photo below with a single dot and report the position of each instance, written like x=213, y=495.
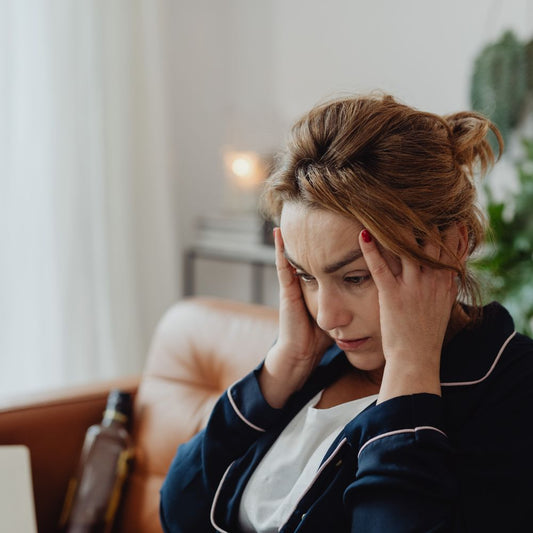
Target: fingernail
x=365, y=234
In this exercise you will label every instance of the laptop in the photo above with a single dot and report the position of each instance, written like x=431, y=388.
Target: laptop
x=17, y=506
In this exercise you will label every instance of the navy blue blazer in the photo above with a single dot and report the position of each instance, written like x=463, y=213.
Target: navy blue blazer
x=460, y=462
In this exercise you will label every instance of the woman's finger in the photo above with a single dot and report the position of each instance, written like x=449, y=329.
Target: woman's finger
x=284, y=269
x=379, y=269
x=412, y=268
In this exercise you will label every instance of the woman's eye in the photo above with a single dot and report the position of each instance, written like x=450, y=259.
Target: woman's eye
x=306, y=278
x=356, y=280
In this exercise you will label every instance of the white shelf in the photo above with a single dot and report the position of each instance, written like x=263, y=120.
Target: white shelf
x=244, y=253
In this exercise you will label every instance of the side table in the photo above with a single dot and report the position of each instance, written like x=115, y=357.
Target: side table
x=257, y=256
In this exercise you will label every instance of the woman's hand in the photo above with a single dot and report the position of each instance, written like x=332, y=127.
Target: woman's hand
x=415, y=308
x=300, y=342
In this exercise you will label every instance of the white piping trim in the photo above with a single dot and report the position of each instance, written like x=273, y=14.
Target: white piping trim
x=217, y=493
x=397, y=432
x=240, y=415
x=497, y=358
x=374, y=439
x=318, y=472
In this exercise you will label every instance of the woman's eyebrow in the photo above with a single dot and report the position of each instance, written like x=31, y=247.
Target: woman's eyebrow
x=329, y=269
x=292, y=261
x=350, y=258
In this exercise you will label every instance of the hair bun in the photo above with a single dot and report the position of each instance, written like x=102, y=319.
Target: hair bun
x=470, y=131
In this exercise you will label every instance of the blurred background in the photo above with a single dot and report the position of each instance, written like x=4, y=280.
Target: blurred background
x=134, y=136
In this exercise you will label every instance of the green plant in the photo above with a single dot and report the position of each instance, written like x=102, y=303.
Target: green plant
x=506, y=266
x=500, y=82
x=502, y=89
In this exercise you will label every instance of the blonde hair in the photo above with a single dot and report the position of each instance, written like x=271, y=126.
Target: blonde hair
x=390, y=167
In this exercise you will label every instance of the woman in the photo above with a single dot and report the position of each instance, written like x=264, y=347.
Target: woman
x=387, y=403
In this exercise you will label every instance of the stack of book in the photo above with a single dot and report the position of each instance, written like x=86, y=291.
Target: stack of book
x=219, y=230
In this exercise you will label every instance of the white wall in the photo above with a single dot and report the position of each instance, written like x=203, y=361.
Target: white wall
x=247, y=68
x=419, y=50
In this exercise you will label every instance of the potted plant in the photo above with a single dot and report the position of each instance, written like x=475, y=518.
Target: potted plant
x=502, y=89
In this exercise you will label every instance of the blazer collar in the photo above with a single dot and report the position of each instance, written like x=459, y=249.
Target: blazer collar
x=471, y=355
x=466, y=360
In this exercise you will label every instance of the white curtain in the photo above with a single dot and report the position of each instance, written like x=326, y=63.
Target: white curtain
x=88, y=246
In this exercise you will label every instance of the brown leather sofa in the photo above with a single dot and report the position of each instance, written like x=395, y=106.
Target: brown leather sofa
x=200, y=347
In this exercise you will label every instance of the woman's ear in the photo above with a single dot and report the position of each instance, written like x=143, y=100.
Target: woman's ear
x=456, y=239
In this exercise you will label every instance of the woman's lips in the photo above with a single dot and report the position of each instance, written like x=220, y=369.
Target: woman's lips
x=349, y=345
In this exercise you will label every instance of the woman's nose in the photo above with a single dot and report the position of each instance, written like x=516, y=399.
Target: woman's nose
x=332, y=311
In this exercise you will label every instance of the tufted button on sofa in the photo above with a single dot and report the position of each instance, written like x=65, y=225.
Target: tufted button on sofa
x=200, y=347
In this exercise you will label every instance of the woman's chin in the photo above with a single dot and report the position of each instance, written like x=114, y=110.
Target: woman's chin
x=366, y=362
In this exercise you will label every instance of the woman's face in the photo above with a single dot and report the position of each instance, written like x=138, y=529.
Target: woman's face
x=336, y=284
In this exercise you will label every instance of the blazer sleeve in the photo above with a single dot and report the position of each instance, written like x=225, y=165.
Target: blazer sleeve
x=239, y=418
x=412, y=477
x=404, y=479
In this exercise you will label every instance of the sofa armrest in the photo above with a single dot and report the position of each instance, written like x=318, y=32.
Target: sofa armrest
x=53, y=426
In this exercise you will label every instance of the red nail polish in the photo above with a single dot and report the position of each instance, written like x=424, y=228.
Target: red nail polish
x=365, y=234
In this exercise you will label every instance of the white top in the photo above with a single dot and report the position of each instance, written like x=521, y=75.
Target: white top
x=289, y=467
